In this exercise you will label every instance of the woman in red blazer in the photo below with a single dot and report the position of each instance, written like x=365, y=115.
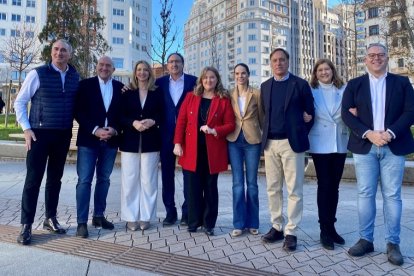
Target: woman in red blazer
x=204, y=120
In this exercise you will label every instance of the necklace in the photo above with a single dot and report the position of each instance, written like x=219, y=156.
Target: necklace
x=204, y=112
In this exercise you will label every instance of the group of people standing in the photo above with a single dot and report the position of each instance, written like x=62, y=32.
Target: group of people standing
x=207, y=128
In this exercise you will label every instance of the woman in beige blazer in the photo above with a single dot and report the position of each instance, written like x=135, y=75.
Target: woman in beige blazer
x=244, y=150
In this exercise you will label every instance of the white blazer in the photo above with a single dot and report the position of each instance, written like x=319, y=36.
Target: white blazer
x=329, y=133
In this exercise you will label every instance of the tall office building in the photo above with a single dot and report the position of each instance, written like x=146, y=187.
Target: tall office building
x=128, y=32
x=223, y=33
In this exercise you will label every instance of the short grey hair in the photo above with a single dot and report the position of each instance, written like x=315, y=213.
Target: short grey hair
x=66, y=43
x=108, y=57
x=377, y=45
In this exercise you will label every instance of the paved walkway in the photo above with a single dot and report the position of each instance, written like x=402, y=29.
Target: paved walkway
x=246, y=251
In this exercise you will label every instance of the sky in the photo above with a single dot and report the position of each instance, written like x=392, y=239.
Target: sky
x=181, y=10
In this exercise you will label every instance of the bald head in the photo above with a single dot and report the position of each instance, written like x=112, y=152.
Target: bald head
x=105, y=68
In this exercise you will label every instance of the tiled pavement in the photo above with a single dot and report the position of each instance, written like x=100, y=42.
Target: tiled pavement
x=245, y=251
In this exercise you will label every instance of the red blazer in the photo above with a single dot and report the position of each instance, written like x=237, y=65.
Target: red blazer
x=220, y=117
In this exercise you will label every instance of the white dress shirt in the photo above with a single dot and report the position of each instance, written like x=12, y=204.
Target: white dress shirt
x=176, y=89
x=377, y=88
x=29, y=87
x=106, y=92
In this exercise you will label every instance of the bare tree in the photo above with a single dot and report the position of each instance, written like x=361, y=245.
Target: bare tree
x=167, y=33
x=214, y=50
x=21, y=49
x=350, y=10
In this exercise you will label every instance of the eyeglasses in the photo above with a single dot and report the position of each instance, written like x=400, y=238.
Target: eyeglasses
x=379, y=55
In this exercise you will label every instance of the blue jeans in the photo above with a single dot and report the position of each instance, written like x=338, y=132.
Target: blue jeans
x=103, y=158
x=245, y=202
x=379, y=163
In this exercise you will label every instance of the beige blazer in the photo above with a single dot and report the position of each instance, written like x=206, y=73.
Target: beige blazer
x=251, y=122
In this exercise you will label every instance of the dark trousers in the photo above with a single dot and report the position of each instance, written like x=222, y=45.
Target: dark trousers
x=202, y=194
x=168, y=184
x=329, y=169
x=51, y=148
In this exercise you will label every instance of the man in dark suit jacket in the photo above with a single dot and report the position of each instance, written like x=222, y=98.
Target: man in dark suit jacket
x=174, y=87
x=378, y=107
x=98, y=114
x=287, y=100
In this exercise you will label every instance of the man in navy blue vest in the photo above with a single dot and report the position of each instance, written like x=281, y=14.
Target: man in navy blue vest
x=98, y=109
x=174, y=87
x=51, y=89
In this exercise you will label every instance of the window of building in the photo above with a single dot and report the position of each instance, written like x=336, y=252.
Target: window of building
x=144, y=48
x=251, y=25
x=3, y=1
x=117, y=40
x=265, y=50
x=251, y=2
x=30, y=19
x=374, y=30
x=265, y=26
x=16, y=2
x=373, y=12
x=252, y=49
x=118, y=26
x=253, y=73
x=31, y=3
x=238, y=39
x=2, y=32
x=29, y=34
x=252, y=60
x=16, y=17
x=144, y=23
x=14, y=33
x=265, y=38
x=251, y=37
x=238, y=51
x=119, y=12
x=118, y=62
x=3, y=16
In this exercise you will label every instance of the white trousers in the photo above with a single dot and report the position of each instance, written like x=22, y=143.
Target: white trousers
x=139, y=172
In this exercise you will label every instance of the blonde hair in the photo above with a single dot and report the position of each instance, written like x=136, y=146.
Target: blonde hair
x=151, y=79
x=219, y=89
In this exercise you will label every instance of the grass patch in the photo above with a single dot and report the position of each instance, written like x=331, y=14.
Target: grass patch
x=11, y=127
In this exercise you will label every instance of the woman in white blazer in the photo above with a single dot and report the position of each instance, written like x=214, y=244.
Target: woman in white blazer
x=328, y=140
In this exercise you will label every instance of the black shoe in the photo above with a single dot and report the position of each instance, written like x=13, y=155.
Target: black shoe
x=170, y=219
x=53, y=226
x=336, y=237
x=25, y=236
x=102, y=222
x=290, y=243
x=272, y=236
x=192, y=230
x=361, y=248
x=326, y=241
x=209, y=231
x=394, y=254
x=82, y=230
x=184, y=221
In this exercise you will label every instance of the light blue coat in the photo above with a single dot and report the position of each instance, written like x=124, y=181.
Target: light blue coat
x=329, y=133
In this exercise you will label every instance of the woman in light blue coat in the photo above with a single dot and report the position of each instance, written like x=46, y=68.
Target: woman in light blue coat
x=328, y=140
